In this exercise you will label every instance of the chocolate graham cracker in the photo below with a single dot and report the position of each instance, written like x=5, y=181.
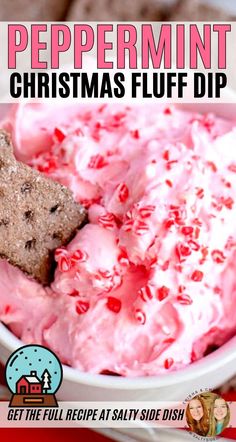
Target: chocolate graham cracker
x=37, y=215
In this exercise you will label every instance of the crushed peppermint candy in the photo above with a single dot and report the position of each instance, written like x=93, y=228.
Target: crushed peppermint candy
x=140, y=316
x=113, y=304
x=145, y=277
x=197, y=275
x=218, y=256
x=146, y=293
x=162, y=293
x=168, y=363
x=184, y=299
x=59, y=135
x=107, y=221
x=81, y=307
x=123, y=192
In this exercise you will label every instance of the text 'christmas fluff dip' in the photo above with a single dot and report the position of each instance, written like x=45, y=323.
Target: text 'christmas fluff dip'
x=148, y=284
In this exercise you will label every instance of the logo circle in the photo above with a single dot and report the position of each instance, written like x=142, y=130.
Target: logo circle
x=207, y=414
x=34, y=361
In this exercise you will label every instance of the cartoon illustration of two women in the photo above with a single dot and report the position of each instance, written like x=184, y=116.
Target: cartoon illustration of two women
x=207, y=415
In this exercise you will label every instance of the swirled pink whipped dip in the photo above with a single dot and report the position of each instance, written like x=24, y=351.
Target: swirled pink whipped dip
x=149, y=284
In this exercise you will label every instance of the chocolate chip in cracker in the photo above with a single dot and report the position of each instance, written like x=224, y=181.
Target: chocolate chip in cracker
x=29, y=215
x=37, y=215
x=4, y=222
x=26, y=187
x=54, y=208
x=30, y=244
x=57, y=235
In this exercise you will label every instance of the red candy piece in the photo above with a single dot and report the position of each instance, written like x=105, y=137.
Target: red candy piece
x=168, y=363
x=123, y=192
x=135, y=134
x=182, y=251
x=123, y=259
x=146, y=293
x=140, y=316
x=113, y=304
x=167, y=111
x=232, y=168
x=107, y=221
x=49, y=166
x=200, y=193
x=127, y=226
x=197, y=222
x=74, y=293
x=61, y=251
x=194, y=245
x=179, y=268
x=166, y=155
x=64, y=264
x=187, y=230
x=141, y=228
x=217, y=290
x=178, y=213
x=7, y=309
x=119, y=116
x=228, y=202
x=97, y=162
x=79, y=256
x=181, y=288
x=193, y=356
x=169, y=341
x=81, y=307
x=162, y=293
x=218, y=256
x=169, y=183
x=204, y=253
x=109, y=373
x=165, y=265
x=169, y=164
x=146, y=211
x=184, y=299
x=212, y=166
x=197, y=232
x=59, y=135
x=197, y=276
x=169, y=223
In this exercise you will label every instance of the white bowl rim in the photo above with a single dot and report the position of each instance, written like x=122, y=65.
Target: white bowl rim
x=226, y=354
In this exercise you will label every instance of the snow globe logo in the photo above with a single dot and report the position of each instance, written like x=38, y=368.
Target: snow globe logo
x=33, y=375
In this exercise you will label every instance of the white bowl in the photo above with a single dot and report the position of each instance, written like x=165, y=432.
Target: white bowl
x=210, y=372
